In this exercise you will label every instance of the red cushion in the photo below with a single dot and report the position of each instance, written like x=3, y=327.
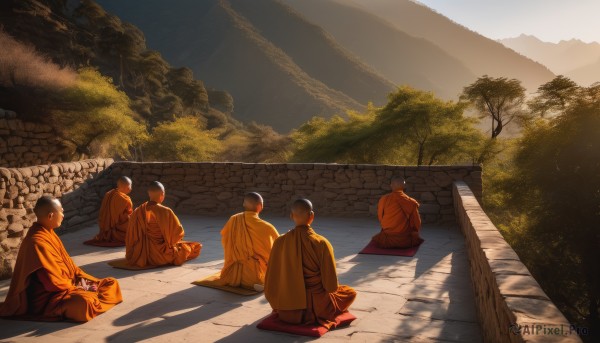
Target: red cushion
x=373, y=249
x=272, y=323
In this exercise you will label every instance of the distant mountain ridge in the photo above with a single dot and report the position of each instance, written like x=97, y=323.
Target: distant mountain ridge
x=480, y=54
x=233, y=45
x=573, y=58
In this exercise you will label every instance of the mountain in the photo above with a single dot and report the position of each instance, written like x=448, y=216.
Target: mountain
x=480, y=54
x=280, y=69
x=80, y=34
x=573, y=58
x=402, y=58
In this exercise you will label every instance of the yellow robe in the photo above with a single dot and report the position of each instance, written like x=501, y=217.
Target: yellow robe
x=113, y=218
x=400, y=221
x=43, y=286
x=154, y=238
x=247, y=241
x=301, y=282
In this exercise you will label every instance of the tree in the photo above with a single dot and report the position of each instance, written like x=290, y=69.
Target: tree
x=413, y=128
x=96, y=118
x=554, y=193
x=184, y=139
x=500, y=99
x=554, y=96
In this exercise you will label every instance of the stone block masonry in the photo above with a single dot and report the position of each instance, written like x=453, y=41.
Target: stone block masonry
x=511, y=305
x=20, y=188
x=27, y=143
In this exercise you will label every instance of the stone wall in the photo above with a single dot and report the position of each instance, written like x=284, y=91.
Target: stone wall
x=21, y=187
x=27, y=143
x=335, y=189
x=506, y=295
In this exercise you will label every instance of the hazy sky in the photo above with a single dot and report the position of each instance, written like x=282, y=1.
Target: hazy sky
x=549, y=20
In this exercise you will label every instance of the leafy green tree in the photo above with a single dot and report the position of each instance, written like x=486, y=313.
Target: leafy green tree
x=500, y=99
x=551, y=195
x=413, y=128
x=96, y=118
x=554, y=96
x=184, y=139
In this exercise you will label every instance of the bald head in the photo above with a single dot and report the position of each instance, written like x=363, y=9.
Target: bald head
x=49, y=212
x=124, y=184
x=302, y=205
x=156, y=191
x=302, y=212
x=397, y=183
x=45, y=205
x=253, y=202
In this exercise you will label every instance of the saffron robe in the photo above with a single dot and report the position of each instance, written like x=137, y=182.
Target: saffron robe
x=400, y=221
x=44, y=283
x=301, y=282
x=247, y=241
x=113, y=218
x=154, y=238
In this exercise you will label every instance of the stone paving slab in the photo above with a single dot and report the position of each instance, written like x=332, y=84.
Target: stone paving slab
x=425, y=298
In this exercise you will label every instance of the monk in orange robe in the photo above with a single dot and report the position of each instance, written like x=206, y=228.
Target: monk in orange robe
x=247, y=241
x=46, y=284
x=115, y=211
x=301, y=283
x=399, y=218
x=154, y=236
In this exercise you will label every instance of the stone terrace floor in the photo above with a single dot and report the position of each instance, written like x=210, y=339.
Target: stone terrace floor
x=425, y=298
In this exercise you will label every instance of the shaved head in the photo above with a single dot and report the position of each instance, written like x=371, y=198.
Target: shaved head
x=155, y=187
x=124, y=180
x=302, y=206
x=253, y=202
x=46, y=204
x=397, y=183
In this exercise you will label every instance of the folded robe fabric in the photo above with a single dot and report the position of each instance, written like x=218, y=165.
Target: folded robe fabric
x=373, y=249
x=272, y=323
x=44, y=283
x=113, y=220
x=400, y=221
x=154, y=238
x=212, y=281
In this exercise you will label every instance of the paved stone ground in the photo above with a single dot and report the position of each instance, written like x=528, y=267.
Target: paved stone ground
x=426, y=298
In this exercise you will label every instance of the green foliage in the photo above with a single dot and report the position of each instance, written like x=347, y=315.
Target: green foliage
x=413, y=128
x=96, y=117
x=184, y=139
x=554, y=96
x=546, y=200
x=500, y=99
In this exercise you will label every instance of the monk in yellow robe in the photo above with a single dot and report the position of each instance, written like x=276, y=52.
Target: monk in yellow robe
x=301, y=283
x=46, y=284
x=113, y=218
x=154, y=236
x=399, y=218
x=247, y=241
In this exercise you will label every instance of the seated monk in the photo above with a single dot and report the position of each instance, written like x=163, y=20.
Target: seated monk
x=301, y=283
x=247, y=241
x=154, y=236
x=399, y=218
x=114, y=215
x=46, y=284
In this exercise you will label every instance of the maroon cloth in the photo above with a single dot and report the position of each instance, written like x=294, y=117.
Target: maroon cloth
x=373, y=249
x=272, y=323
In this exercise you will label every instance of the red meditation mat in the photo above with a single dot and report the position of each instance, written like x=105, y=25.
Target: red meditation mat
x=373, y=249
x=104, y=244
x=272, y=323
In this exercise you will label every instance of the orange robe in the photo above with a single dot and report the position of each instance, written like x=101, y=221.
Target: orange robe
x=247, y=241
x=154, y=238
x=43, y=285
x=301, y=282
x=113, y=219
x=400, y=221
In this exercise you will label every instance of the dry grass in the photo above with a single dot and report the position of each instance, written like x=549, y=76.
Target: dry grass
x=22, y=66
